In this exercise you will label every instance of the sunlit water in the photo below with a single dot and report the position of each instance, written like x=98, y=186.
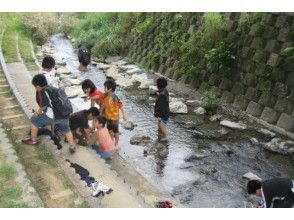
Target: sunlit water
x=214, y=181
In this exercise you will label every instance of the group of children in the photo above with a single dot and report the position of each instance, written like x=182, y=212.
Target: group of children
x=55, y=110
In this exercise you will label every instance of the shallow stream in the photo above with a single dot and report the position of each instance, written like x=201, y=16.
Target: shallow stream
x=212, y=176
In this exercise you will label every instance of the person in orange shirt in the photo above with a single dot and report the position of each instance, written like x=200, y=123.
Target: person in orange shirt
x=111, y=106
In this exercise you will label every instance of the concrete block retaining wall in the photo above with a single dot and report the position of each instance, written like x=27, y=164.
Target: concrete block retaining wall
x=270, y=101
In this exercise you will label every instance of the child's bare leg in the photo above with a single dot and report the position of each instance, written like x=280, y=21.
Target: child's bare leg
x=48, y=127
x=69, y=138
x=163, y=129
x=112, y=135
x=34, y=131
x=116, y=137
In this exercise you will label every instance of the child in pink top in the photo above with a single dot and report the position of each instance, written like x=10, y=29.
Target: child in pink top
x=104, y=143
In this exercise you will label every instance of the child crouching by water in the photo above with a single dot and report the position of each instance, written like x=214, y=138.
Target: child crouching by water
x=104, y=143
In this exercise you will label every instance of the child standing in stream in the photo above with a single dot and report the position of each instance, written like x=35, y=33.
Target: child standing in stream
x=111, y=106
x=161, y=109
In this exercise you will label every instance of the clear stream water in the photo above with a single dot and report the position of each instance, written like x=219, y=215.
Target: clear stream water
x=213, y=181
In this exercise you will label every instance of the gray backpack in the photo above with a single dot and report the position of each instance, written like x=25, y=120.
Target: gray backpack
x=59, y=101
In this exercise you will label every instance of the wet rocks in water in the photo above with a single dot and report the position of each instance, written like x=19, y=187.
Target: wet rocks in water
x=72, y=92
x=113, y=59
x=134, y=71
x=142, y=140
x=128, y=125
x=266, y=132
x=146, y=83
x=124, y=82
x=254, y=141
x=178, y=107
x=194, y=103
x=62, y=70
x=229, y=153
x=250, y=176
x=119, y=63
x=47, y=49
x=199, y=179
x=186, y=165
x=215, y=117
x=74, y=82
x=139, y=77
x=189, y=121
x=65, y=82
x=233, y=125
x=196, y=156
x=113, y=72
x=103, y=66
x=63, y=76
x=152, y=90
x=127, y=67
x=60, y=60
x=208, y=170
x=280, y=146
x=156, y=148
x=200, y=111
x=219, y=134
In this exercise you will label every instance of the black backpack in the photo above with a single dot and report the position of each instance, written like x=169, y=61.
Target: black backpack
x=59, y=101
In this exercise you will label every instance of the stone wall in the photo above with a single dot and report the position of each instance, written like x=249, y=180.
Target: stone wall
x=259, y=50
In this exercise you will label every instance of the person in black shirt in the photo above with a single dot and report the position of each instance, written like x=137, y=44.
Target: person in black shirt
x=275, y=193
x=161, y=109
x=79, y=124
x=84, y=57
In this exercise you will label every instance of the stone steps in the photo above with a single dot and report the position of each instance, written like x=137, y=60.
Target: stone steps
x=12, y=116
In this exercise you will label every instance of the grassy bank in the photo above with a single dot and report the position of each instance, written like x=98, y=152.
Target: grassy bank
x=37, y=27
x=10, y=193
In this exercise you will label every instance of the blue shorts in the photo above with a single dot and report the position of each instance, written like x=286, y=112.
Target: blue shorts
x=102, y=154
x=42, y=120
x=163, y=121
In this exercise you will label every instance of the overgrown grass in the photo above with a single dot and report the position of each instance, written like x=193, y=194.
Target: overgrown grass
x=7, y=172
x=13, y=25
x=9, y=46
x=210, y=101
x=10, y=195
x=26, y=53
x=45, y=155
x=35, y=26
x=103, y=33
x=84, y=204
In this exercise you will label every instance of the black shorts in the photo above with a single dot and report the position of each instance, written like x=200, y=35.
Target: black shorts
x=113, y=126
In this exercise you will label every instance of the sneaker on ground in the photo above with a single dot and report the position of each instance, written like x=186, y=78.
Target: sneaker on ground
x=102, y=187
x=96, y=189
x=29, y=141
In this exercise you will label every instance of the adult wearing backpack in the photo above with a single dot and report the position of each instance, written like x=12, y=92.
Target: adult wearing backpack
x=54, y=109
x=84, y=57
